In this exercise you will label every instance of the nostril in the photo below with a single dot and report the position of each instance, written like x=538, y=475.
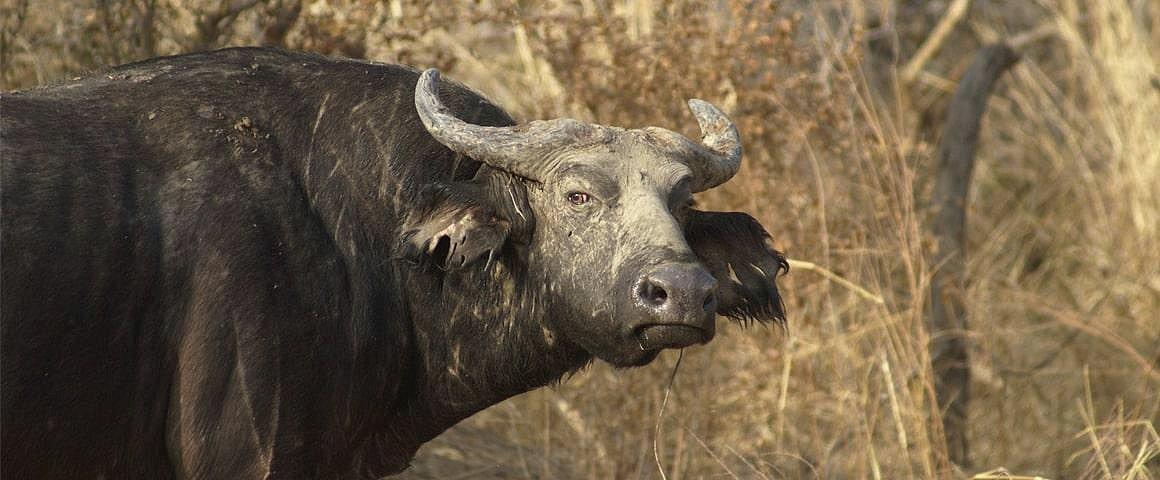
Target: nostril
x=655, y=294
x=710, y=302
x=652, y=294
x=659, y=295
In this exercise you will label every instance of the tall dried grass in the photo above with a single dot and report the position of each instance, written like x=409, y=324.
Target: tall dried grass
x=1064, y=263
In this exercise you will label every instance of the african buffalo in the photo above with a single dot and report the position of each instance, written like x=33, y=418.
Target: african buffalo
x=253, y=263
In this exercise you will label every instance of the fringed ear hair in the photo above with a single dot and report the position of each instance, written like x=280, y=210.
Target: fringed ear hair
x=737, y=251
x=454, y=232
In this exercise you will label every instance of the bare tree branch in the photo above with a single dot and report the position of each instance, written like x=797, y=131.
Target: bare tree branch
x=211, y=25
x=283, y=14
x=955, y=13
x=948, y=316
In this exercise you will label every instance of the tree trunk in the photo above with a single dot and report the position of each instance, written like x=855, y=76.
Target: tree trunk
x=947, y=320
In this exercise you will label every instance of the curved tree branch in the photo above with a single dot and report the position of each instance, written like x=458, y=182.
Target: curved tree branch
x=947, y=320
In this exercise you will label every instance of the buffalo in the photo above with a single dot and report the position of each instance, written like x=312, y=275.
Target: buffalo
x=253, y=263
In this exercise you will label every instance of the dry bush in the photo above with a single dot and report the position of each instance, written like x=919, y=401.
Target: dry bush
x=1064, y=262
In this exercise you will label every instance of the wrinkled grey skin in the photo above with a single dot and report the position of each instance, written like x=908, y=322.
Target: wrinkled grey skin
x=600, y=250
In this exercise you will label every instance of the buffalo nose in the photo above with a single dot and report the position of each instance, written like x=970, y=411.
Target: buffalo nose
x=679, y=288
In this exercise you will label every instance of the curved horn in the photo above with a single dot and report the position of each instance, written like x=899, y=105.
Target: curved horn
x=722, y=159
x=520, y=150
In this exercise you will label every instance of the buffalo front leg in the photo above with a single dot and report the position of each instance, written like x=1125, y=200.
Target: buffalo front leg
x=237, y=403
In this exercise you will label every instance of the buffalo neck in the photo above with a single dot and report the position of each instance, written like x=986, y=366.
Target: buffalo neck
x=475, y=337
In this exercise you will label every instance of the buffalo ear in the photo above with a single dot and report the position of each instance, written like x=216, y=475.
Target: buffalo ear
x=737, y=251
x=455, y=230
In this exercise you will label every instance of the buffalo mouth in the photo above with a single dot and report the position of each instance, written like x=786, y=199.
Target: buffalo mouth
x=659, y=336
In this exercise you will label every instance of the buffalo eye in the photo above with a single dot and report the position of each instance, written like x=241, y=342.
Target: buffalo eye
x=578, y=198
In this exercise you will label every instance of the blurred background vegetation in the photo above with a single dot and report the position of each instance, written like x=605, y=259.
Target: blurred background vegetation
x=840, y=104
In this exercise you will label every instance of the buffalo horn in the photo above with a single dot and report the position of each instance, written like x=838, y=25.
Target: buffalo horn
x=519, y=150
x=721, y=158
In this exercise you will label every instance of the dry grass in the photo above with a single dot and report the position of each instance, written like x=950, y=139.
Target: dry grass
x=1064, y=218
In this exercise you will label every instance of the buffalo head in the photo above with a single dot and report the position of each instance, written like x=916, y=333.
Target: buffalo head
x=626, y=266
